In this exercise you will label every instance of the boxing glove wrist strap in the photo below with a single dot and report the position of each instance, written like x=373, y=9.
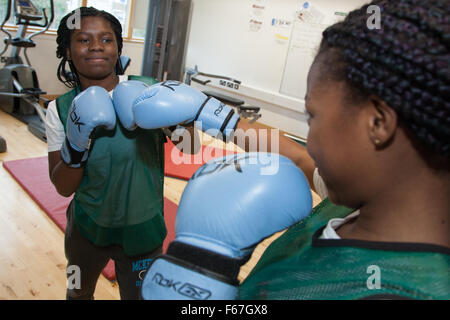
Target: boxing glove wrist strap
x=211, y=264
x=72, y=157
x=227, y=119
x=213, y=106
x=201, y=108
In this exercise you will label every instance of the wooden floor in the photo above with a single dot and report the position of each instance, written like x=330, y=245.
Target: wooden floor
x=32, y=261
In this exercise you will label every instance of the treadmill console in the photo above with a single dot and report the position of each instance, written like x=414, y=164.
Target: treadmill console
x=25, y=10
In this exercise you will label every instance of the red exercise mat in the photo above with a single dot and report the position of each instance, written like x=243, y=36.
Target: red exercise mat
x=183, y=166
x=32, y=175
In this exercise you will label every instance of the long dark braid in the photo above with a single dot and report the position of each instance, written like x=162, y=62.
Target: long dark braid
x=405, y=63
x=63, y=41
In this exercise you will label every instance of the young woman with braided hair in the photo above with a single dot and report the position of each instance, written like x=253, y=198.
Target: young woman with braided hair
x=379, y=107
x=117, y=209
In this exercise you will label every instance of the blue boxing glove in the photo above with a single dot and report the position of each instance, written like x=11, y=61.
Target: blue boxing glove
x=173, y=103
x=123, y=98
x=90, y=109
x=226, y=209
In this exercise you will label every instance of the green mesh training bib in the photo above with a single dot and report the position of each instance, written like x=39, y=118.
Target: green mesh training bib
x=299, y=265
x=120, y=198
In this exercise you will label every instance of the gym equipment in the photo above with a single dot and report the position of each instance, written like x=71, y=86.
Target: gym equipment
x=19, y=87
x=166, y=39
x=247, y=112
x=244, y=111
x=191, y=73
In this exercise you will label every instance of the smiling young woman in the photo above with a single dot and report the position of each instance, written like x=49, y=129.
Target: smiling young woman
x=93, y=49
x=104, y=220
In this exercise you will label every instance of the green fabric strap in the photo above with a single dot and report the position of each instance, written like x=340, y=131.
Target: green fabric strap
x=63, y=104
x=148, y=80
x=298, y=265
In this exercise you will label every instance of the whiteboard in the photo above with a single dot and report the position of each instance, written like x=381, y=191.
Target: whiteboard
x=259, y=43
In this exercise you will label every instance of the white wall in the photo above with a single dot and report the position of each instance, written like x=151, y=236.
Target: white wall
x=220, y=41
x=224, y=41
x=43, y=59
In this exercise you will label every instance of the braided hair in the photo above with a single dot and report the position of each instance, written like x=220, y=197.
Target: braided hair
x=405, y=63
x=63, y=41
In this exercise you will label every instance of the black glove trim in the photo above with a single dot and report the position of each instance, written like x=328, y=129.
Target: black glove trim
x=211, y=264
x=226, y=138
x=72, y=157
x=227, y=119
x=201, y=108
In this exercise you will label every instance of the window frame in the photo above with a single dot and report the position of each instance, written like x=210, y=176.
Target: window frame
x=126, y=38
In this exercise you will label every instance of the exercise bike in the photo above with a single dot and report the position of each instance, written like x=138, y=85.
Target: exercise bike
x=19, y=87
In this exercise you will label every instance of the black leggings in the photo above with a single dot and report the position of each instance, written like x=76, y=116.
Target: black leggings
x=89, y=260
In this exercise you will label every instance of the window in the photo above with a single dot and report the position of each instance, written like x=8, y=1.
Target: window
x=118, y=8
x=139, y=18
x=3, y=7
x=61, y=7
x=132, y=14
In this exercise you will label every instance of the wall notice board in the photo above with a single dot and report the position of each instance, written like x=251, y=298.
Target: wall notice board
x=268, y=45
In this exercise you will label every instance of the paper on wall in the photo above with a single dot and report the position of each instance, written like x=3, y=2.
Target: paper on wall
x=305, y=38
x=257, y=11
